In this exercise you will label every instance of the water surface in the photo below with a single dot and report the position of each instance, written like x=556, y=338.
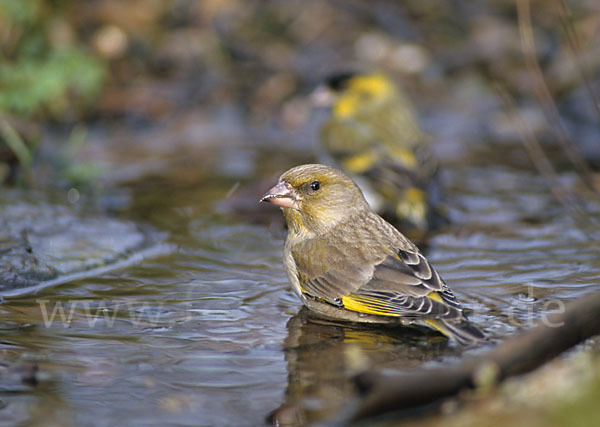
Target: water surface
x=211, y=334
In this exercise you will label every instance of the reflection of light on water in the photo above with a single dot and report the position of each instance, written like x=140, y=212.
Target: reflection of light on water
x=226, y=325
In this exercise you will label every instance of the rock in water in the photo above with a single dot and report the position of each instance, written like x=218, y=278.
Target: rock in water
x=43, y=244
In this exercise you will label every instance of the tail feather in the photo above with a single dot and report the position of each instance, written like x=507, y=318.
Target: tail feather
x=460, y=330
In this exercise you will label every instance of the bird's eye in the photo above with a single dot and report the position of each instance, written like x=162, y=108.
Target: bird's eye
x=315, y=185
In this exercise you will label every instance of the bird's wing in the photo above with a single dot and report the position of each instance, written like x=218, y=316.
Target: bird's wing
x=404, y=284
x=351, y=144
x=362, y=146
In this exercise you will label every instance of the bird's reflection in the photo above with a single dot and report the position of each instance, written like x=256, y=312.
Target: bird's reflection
x=323, y=356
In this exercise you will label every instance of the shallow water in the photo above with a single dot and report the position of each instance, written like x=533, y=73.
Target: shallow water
x=211, y=334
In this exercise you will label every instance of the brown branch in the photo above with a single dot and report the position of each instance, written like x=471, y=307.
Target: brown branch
x=517, y=355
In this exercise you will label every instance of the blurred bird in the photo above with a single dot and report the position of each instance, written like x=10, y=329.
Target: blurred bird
x=346, y=262
x=373, y=135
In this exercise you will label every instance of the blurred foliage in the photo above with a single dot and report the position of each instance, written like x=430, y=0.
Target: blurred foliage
x=74, y=171
x=43, y=68
x=45, y=73
x=232, y=64
x=52, y=83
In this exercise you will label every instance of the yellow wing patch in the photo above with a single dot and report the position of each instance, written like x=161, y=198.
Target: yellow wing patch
x=366, y=305
x=345, y=107
x=360, y=162
x=435, y=296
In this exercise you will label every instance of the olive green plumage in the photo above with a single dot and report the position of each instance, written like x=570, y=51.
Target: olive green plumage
x=344, y=261
x=373, y=133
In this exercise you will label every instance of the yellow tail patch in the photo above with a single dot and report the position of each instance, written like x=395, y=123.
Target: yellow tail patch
x=413, y=206
x=415, y=195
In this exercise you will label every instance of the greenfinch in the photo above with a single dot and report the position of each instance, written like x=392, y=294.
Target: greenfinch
x=346, y=262
x=372, y=134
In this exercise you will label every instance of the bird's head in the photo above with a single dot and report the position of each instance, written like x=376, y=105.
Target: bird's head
x=354, y=93
x=315, y=198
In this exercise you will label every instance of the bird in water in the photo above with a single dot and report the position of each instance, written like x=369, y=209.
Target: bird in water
x=372, y=133
x=346, y=262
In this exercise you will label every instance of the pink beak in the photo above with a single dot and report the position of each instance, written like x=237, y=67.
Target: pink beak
x=283, y=195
